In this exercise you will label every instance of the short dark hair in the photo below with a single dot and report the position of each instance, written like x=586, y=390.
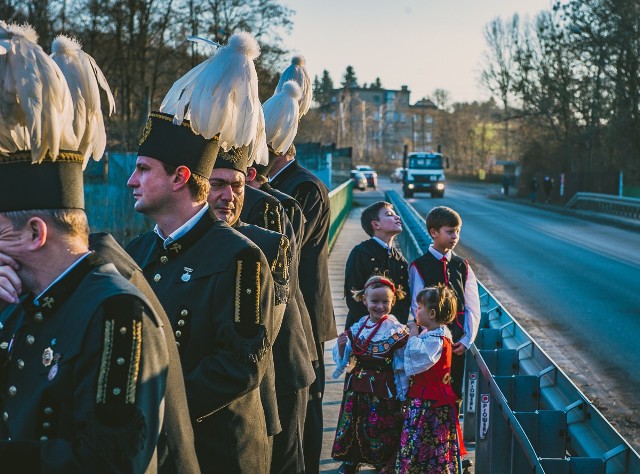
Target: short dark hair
x=442, y=299
x=372, y=213
x=441, y=216
x=72, y=222
x=198, y=186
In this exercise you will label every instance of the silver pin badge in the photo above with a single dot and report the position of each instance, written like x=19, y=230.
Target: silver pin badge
x=187, y=274
x=47, y=357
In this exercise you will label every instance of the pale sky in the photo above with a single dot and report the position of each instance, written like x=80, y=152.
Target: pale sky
x=424, y=44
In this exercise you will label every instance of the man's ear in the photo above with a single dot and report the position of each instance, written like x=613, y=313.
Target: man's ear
x=38, y=230
x=180, y=177
x=251, y=174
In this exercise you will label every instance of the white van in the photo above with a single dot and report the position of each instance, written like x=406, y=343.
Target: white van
x=424, y=173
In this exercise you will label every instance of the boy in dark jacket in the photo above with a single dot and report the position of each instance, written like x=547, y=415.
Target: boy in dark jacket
x=377, y=256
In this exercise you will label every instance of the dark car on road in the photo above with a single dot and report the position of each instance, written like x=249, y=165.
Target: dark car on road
x=371, y=175
x=359, y=180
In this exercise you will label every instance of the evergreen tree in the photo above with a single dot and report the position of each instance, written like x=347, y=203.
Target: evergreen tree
x=322, y=89
x=376, y=85
x=349, y=79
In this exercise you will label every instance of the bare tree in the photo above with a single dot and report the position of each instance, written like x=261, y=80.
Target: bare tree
x=501, y=38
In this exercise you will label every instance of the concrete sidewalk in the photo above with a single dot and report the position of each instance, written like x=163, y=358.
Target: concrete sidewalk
x=350, y=235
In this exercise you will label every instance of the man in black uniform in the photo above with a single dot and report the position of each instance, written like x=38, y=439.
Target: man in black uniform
x=262, y=206
x=217, y=290
x=83, y=359
x=176, y=447
x=293, y=368
x=377, y=256
x=288, y=176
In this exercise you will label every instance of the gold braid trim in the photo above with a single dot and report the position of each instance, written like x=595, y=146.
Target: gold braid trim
x=134, y=365
x=185, y=123
x=293, y=212
x=278, y=220
x=236, y=316
x=284, y=245
x=24, y=156
x=265, y=214
x=101, y=394
x=258, y=292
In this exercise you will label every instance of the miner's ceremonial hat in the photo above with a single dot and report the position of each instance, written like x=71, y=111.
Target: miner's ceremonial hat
x=213, y=106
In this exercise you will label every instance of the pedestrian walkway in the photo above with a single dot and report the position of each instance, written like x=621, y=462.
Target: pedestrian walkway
x=350, y=235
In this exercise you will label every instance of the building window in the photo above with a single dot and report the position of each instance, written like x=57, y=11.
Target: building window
x=428, y=119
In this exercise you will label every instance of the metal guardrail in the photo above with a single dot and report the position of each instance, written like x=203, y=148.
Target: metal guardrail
x=341, y=199
x=606, y=204
x=524, y=414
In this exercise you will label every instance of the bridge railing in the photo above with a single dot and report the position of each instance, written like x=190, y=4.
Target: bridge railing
x=341, y=199
x=521, y=410
x=606, y=204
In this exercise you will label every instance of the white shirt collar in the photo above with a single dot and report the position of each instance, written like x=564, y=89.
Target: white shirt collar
x=183, y=229
x=381, y=242
x=439, y=255
x=283, y=168
x=437, y=332
x=60, y=277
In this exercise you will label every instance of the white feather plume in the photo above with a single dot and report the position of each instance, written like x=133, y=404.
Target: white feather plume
x=281, y=113
x=298, y=72
x=85, y=79
x=36, y=111
x=220, y=95
x=258, y=150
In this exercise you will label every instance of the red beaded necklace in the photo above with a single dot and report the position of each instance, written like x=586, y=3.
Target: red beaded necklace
x=358, y=349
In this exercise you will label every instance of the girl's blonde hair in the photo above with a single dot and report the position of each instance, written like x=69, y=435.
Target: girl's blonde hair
x=442, y=299
x=378, y=281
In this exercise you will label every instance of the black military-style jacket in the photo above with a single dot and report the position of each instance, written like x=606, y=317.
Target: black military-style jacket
x=292, y=210
x=294, y=230
x=263, y=210
x=291, y=354
x=369, y=258
x=217, y=290
x=275, y=248
x=313, y=196
x=176, y=447
x=83, y=377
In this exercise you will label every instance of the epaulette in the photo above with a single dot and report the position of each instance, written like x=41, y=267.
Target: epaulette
x=280, y=271
x=272, y=218
x=121, y=429
x=254, y=343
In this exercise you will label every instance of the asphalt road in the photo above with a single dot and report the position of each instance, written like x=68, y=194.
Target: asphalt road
x=573, y=284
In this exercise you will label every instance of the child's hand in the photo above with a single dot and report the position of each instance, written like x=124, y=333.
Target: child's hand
x=342, y=342
x=413, y=327
x=458, y=348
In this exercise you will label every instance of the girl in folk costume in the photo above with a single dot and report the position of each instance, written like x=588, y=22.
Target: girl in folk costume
x=431, y=440
x=371, y=350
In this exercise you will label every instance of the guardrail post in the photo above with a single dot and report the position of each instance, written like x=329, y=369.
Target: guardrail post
x=487, y=338
x=493, y=435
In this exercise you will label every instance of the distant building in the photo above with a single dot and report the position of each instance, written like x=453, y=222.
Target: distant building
x=380, y=121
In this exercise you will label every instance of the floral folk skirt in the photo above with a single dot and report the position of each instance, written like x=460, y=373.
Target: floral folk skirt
x=429, y=440
x=368, y=429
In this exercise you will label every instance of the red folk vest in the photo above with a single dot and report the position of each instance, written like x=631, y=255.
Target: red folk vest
x=435, y=383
